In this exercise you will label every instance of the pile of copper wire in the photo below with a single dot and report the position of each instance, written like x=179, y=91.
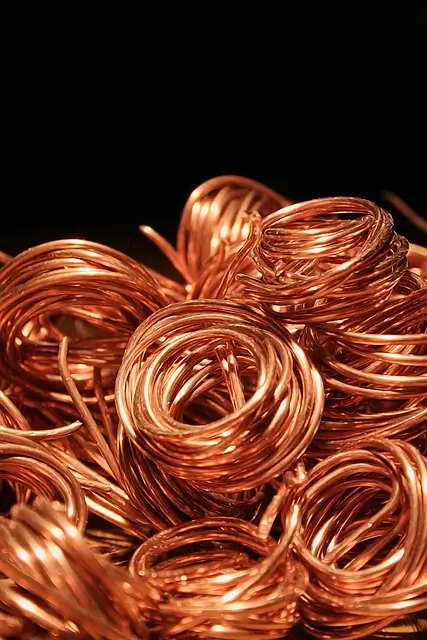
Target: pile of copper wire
x=228, y=455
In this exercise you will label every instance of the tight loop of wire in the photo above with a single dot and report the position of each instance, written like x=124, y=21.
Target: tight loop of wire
x=231, y=583
x=374, y=370
x=214, y=224
x=98, y=294
x=326, y=260
x=218, y=395
x=363, y=539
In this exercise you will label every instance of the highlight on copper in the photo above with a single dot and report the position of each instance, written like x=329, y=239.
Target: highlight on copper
x=54, y=581
x=214, y=224
x=94, y=294
x=374, y=370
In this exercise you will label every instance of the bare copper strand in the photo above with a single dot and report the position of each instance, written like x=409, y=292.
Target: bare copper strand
x=217, y=395
x=52, y=580
x=219, y=278
x=105, y=498
x=375, y=371
x=24, y=462
x=106, y=293
x=213, y=226
x=325, y=260
x=12, y=418
x=215, y=578
x=232, y=451
x=363, y=539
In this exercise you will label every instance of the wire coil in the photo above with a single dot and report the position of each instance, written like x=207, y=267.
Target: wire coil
x=54, y=581
x=23, y=462
x=363, y=539
x=325, y=260
x=228, y=581
x=218, y=395
x=374, y=370
x=108, y=293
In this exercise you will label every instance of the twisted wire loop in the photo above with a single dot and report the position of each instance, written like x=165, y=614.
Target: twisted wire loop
x=103, y=294
x=374, y=371
x=217, y=578
x=53, y=581
x=363, y=539
x=326, y=260
x=217, y=395
x=214, y=213
x=24, y=463
x=213, y=226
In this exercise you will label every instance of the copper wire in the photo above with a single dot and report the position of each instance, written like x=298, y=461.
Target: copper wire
x=363, y=539
x=25, y=463
x=325, y=260
x=100, y=288
x=375, y=371
x=216, y=578
x=216, y=395
x=405, y=210
x=213, y=226
x=211, y=421
x=52, y=580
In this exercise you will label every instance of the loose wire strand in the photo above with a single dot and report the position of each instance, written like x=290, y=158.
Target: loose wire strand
x=405, y=210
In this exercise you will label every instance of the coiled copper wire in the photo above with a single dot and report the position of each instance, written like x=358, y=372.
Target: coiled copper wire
x=26, y=464
x=375, y=371
x=52, y=580
x=217, y=404
x=90, y=458
x=108, y=293
x=217, y=578
x=363, y=539
x=217, y=395
x=213, y=226
x=325, y=260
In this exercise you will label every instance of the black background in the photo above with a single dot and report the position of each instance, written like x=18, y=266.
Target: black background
x=92, y=162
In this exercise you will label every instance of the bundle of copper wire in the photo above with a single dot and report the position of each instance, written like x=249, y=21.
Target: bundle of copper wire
x=220, y=399
x=221, y=580
x=226, y=455
x=374, y=370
